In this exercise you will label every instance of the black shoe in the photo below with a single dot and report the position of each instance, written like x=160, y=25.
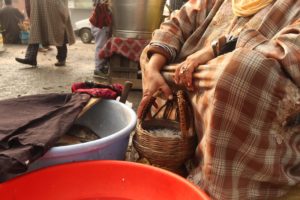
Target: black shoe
x=60, y=63
x=26, y=61
x=100, y=73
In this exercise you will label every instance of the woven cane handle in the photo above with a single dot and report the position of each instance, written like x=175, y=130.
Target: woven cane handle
x=147, y=108
x=183, y=111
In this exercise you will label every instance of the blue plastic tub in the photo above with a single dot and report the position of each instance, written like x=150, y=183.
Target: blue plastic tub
x=112, y=121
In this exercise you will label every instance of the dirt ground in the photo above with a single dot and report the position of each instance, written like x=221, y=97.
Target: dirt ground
x=20, y=80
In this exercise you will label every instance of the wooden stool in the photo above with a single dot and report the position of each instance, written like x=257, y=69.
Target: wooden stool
x=122, y=69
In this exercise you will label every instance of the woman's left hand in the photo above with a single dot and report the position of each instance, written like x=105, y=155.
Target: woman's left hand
x=184, y=71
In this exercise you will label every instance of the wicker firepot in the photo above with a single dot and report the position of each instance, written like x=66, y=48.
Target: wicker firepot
x=164, y=150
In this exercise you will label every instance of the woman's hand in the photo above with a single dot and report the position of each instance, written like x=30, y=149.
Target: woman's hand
x=184, y=71
x=153, y=81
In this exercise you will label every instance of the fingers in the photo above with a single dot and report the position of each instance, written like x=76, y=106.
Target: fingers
x=184, y=75
x=167, y=92
x=147, y=95
x=176, y=75
x=145, y=100
x=188, y=78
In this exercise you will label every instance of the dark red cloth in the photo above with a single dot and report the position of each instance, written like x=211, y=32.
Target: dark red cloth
x=127, y=47
x=98, y=89
x=101, y=16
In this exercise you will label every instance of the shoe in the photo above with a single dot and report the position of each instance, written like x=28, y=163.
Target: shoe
x=41, y=49
x=98, y=73
x=48, y=48
x=60, y=63
x=26, y=61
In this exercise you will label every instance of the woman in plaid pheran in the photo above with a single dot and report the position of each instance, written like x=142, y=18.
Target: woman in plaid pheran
x=240, y=62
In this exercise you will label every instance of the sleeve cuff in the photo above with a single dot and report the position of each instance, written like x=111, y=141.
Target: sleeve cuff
x=156, y=49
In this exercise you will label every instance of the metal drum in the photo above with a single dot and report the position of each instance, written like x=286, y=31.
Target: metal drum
x=136, y=18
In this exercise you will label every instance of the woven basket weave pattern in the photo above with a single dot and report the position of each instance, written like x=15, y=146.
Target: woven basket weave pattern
x=167, y=152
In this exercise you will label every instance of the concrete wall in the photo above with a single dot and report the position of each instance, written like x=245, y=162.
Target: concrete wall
x=20, y=4
x=80, y=9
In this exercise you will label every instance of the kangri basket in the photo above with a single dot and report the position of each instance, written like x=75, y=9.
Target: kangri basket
x=167, y=151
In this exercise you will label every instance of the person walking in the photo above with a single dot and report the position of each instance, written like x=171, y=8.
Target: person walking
x=101, y=29
x=50, y=24
x=10, y=18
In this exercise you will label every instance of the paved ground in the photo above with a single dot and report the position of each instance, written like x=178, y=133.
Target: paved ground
x=20, y=80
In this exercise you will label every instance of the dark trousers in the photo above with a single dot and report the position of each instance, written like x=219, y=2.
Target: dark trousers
x=32, y=51
x=62, y=52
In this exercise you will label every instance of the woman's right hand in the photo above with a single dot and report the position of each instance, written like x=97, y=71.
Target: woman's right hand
x=184, y=71
x=153, y=81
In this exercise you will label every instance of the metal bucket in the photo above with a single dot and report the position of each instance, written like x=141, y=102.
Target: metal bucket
x=136, y=18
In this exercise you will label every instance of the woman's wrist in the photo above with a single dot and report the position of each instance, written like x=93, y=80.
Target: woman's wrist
x=157, y=61
x=211, y=54
x=201, y=57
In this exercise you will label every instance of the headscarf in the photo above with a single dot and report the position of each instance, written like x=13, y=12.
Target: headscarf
x=245, y=8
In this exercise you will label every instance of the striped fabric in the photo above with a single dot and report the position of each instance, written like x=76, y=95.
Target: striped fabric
x=245, y=101
x=50, y=21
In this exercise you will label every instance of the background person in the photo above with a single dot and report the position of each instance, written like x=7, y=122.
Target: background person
x=239, y=60
x=50, y=24
x=10, y=17
x=42, y=48
x=101, y=29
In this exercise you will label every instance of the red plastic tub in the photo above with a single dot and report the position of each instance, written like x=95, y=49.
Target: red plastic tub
x=100, y=180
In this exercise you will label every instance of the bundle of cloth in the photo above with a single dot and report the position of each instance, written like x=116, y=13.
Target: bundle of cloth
x=31, y=125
